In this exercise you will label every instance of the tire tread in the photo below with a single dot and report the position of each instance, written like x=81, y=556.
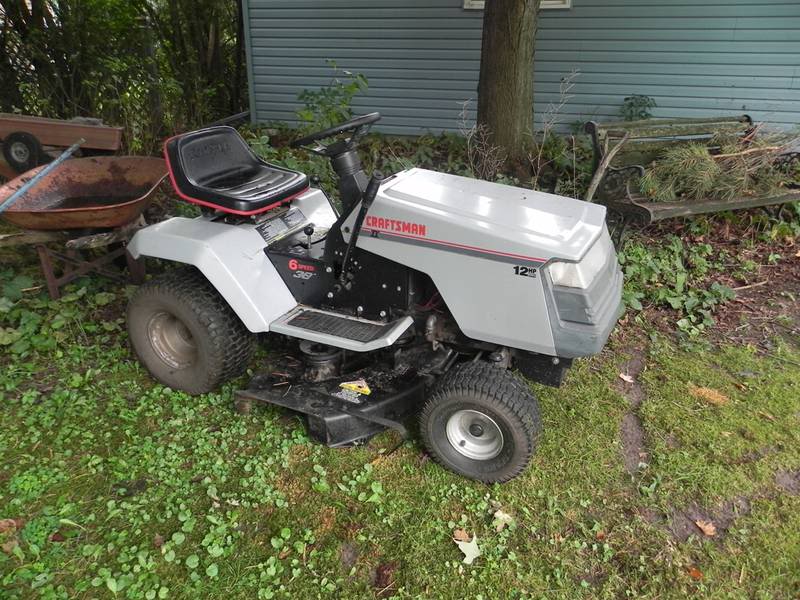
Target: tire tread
x=497, y=385
x=232, y=345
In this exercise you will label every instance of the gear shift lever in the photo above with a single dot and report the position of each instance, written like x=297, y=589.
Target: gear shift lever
x=309, y=231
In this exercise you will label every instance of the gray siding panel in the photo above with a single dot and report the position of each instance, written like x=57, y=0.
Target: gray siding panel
x=422, y=57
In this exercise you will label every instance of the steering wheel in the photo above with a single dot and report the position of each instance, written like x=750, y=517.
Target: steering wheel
x=360, y=126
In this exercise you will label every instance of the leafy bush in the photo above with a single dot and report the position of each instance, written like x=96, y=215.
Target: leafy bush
x=563, y=164
x=388, y=154
x=637, y=107
x=331, y=105
x=674, y=275
x=151, y=66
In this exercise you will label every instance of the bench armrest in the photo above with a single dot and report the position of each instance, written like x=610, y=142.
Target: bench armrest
x=789, y=164
x=616, y=184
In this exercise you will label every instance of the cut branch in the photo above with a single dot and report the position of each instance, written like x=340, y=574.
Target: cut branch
x=603, y=167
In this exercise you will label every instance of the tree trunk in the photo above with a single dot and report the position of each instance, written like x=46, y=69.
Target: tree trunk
x=505, y=88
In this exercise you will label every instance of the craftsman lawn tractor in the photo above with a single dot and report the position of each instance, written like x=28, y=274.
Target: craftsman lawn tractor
x=424, y=294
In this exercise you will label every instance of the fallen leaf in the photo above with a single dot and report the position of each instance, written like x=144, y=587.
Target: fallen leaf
x=10, y=546
x=501, y=519
x=707, y=527
x=626, y=378
x=460, y=535
x=766, y=415
x=470, y=550
x=158, y=540
x=7, y=525
x=695, y=573
x=797, y=254
x=384, y=578
x=710, y=395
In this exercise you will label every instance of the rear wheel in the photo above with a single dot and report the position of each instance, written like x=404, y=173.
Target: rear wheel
x=185, y=334
x=22, y=151
x=481, y=422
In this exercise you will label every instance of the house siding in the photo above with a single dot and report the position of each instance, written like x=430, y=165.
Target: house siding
x=422, y=57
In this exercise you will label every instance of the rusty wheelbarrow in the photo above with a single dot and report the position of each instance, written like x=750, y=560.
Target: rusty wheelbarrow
x=85, y=203
x=86, y=193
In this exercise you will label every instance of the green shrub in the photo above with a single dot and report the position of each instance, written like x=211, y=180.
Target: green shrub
x=637, y=107
x=674, y=275
x=331, y=105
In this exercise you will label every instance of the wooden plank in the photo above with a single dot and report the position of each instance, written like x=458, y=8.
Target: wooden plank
x=57, y=132
x=648, y=123
x=6, y=170
x=669, y=210
x=28, y=238
x=647, y=139
x=652, y=212
x=102, y=240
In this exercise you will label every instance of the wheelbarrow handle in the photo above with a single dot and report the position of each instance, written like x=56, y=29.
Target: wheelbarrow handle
x=38, y=177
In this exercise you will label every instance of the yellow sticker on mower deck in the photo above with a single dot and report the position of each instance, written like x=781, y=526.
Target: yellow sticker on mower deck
x=360, y=387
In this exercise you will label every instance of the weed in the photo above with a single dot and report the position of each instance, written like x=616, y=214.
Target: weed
x=331, y=105
x=485, y=160
x=636, y=107
x=676, y=276
x=117, y=486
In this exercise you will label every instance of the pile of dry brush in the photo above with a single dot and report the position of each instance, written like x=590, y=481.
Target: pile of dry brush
x=727, y=168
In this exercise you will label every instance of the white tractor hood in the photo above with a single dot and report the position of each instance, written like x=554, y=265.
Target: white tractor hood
x=479, y=214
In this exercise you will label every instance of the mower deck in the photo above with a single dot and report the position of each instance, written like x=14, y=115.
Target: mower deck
x=339, y=416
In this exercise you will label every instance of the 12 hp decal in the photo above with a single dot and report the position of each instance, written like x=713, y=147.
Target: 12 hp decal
x=525, y=271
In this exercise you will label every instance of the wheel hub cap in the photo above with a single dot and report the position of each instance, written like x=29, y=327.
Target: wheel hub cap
x=20, y=152
x=474, y=434
x=476, y=430
x=171, y=340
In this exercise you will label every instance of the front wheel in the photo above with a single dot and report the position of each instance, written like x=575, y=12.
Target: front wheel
x=481, y=422
x=185, y=333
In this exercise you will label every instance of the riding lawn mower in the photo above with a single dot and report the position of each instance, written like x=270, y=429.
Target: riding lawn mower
x=426, y=293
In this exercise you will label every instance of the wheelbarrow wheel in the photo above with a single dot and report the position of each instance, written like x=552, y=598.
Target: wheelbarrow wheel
x=185, y=333
x=22, y=151
x=481, y=422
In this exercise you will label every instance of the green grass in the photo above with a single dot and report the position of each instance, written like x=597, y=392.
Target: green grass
x=123, y=488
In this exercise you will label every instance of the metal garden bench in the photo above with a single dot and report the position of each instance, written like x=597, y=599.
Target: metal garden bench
x=622, y=149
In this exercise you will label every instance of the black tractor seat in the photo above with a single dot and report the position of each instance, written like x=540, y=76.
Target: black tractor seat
x=215, y=167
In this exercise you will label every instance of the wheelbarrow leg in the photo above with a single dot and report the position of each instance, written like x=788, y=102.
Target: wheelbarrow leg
x=136, y=268
x=47, y=270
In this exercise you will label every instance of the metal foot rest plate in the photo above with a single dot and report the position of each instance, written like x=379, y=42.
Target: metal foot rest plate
x=341, y=331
